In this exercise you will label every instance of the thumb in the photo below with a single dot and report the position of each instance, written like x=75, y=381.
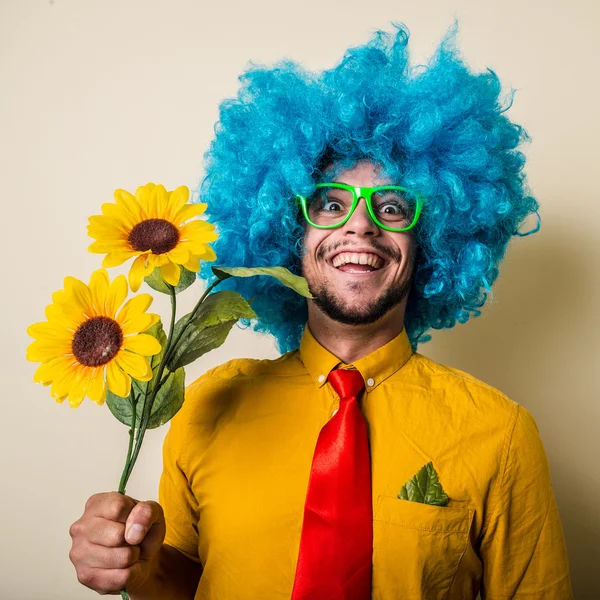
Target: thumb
x=146, y=526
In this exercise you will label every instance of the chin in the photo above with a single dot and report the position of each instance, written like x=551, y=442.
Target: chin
x=365, y=311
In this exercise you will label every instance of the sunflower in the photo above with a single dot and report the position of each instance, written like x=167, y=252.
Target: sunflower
x=152, y=226
x=86, y=345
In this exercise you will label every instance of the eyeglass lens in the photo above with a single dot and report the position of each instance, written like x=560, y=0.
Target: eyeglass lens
x=393, y=208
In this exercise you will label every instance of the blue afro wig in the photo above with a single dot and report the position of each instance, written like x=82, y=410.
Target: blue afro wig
x=438, y=129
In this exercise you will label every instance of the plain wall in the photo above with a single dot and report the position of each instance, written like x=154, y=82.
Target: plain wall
x=98, y=95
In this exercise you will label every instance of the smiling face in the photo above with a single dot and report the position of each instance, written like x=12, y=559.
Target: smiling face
x=358, y=273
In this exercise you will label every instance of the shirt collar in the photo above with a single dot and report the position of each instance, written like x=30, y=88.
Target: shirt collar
x=375, y=367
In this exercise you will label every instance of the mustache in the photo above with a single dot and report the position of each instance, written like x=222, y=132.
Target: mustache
x=390, y=253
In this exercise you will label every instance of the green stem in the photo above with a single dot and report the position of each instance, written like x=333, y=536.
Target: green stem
x=124, y=594
x=149, y=402
x=208, y=290
x=122, y=483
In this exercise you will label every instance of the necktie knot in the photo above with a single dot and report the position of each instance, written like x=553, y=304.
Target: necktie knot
x=346, y=382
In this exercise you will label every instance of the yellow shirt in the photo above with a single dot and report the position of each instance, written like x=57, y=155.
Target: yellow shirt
x=237, y=459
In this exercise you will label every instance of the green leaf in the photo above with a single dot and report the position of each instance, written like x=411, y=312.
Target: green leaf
x=209, y=328
x=168, y=400
x=424, y=487
x=156, y=282
x=295, y=282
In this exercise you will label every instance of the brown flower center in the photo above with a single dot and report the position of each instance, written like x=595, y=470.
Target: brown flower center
x=157, y=235
x=97, y=341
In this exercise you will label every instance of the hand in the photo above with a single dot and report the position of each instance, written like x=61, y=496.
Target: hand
x=116, y=542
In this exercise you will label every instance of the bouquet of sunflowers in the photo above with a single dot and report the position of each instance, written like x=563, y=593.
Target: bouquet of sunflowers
x=97, y=343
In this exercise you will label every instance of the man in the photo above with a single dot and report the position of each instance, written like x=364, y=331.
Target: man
x=406, y=200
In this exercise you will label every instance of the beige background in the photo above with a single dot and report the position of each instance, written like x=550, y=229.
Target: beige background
x=104, y=94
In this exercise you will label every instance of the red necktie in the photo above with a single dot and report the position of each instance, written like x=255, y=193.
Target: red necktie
x=336, y=545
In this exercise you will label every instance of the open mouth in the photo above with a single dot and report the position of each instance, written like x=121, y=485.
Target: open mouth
x=357, y=262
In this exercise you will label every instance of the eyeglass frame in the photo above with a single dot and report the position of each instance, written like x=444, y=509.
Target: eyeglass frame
x=357, y=194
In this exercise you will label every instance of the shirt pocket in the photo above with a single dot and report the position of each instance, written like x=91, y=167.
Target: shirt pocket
x=417, y=548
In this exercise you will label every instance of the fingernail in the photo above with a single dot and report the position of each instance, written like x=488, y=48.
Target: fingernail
x=135, y=534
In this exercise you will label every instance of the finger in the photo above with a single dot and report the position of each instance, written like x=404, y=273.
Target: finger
x=105, y=533
x=111, y=581
x=143, y=516
x=153, y=540
x=87, y=555
x=110, y=505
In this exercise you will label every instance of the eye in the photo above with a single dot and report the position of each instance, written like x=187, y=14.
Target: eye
x=391, y=208
x=331, y=201
x=394, y=206
x=331, y=206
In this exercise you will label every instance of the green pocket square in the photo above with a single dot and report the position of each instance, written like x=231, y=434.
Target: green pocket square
x=424, y=487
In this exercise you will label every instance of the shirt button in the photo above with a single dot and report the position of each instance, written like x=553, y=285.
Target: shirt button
x=370, y=382
x=321, y=378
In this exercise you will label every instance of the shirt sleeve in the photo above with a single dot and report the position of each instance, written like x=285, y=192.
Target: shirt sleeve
x=175, y=494
x=522, y=547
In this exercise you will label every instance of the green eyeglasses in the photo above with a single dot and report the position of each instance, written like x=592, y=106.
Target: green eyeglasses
x=392, y=207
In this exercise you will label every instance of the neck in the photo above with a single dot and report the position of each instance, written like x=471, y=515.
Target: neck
x=351, y=342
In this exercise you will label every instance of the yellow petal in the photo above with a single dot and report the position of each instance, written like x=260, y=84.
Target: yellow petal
x=189, y=211
x=177, y=200
x=143, y=344
x=140, y=323
x=115, y=296
x=116, y=212
x=107, y=225
x=118, y=257
x=170, y=273
x=97, y=387
x=208, y=254
x=99, y=284
x=67, y=319
x=130, y=205
x=109, y=246
x=142, y=195
x=158, y=260
x=194, y=263
x=160, y=200
x=120, y=214
x=79, y=293
x=49, y=330
x=60, y=385
x=148, y=201
x=140, y=268
x=123, y=197
x=53, y=369
x=118, y=382
x=192, y=229
x=79, y=386
x=179, y=255
x=197, y=247
x=135, y=365
x=41, y=351
x=133, y=308
x=106, y=234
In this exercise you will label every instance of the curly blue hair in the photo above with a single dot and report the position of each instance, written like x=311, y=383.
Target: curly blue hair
x=438, y=129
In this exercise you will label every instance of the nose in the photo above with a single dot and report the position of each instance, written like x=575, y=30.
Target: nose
x=360, y=223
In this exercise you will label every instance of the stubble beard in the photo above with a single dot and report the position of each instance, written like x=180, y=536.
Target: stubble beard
x=335, y=309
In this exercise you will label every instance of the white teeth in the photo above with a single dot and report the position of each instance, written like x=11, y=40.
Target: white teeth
x=357, y=258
